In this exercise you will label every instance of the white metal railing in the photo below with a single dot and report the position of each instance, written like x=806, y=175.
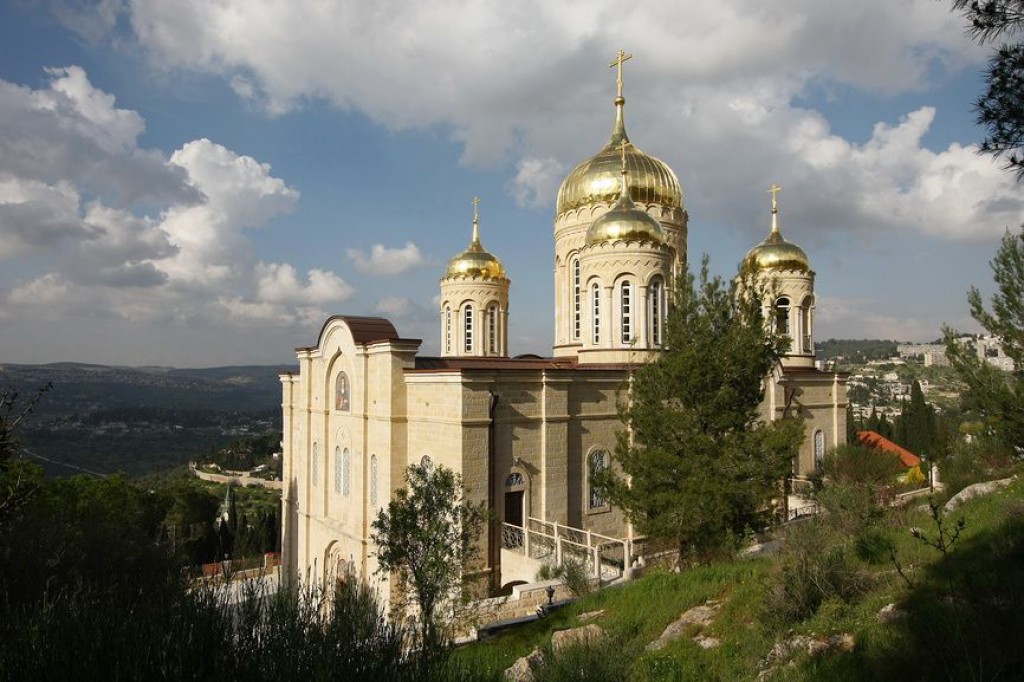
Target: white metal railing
x=602, y=557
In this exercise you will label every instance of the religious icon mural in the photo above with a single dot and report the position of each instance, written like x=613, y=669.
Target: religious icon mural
x=341, y=392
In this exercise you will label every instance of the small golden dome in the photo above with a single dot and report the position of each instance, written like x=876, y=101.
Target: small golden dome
x=625, y=222
x=775, y=252
x=596, y=180
x=475, y=261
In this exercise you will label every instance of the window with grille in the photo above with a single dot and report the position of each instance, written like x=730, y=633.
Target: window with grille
x=337, y=469
x=346, y=479
x=448, y=329
x=595, y=294
x=656, y=312
x=576, y=303
x=468, y=327
x=626, y=311
x=819, y=449
x=598, y=462
x=492, y=330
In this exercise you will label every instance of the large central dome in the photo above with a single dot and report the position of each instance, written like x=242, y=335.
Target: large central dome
x=596, y=180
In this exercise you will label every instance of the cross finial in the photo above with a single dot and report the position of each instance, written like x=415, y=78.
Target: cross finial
x=774, y=190
x=620, y=57
x=476, y=220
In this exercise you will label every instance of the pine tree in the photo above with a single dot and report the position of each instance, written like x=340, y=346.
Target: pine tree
x=696, y=463
x=996, y=395
x=916, y=426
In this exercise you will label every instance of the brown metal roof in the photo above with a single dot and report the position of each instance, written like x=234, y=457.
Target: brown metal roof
x=429, y=364
x=364, y=329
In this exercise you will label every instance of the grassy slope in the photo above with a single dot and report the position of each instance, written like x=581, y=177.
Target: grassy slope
x=965, y=612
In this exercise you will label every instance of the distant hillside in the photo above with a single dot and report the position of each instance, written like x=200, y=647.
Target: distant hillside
x=855, y=350
x=79, y=388
x=142, y=419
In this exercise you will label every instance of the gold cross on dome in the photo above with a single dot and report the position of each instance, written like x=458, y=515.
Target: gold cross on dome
x=773, y=190
x=476, y=214
x=620, y=57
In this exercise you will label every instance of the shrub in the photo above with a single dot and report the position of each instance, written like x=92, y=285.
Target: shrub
x=606, y=659
x=814, y=566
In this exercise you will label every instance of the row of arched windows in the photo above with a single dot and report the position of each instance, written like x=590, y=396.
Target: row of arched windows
x=626, y=300
x=491, y=338
x=343, y=472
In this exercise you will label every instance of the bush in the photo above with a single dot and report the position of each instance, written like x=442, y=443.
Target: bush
x=607, y=659
x=814, y=566
x=573, y=571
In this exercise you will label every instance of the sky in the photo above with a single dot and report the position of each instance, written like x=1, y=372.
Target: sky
x=203, y=182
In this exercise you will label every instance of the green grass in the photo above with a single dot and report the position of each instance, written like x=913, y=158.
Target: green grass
x=965, y=611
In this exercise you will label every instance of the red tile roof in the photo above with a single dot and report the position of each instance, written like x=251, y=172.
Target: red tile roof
x=877, y=441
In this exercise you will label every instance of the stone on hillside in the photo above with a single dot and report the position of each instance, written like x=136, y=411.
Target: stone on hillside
x=889, y=613
x=977, y=490
x=576, y=636
x=707, y=642
x=522, y=669
x=699, y=616
x=759, y=549
x=590, y=615
x=782, y=652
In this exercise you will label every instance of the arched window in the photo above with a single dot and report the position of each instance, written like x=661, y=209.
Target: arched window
x=341, y=393
x=447, y=329
x=346, y=478
x=782, y=316
x=819, y=449
x=373, y=480
x=598, y=461
x=467, y=320
x=316, y=463
x=492, y=329
x=626, y=311
x=576, y=302
x=337, y=469
x=595, y=301
x=655, y=311
x=806, y=322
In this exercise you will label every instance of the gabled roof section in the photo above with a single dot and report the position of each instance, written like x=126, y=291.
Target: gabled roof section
x=876, y=441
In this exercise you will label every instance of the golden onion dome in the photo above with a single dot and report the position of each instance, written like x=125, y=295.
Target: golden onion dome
x=475, y=261
x=596, y=180
x=775, y=252
x=625, y=222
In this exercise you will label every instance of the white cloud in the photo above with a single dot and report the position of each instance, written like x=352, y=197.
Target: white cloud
x=536, y=180
x=714, y=91
x=46, y=290
x=395, y=306
x=385, y=261
x=186, y=259
x=34, y=215
x=279, y=283
x=71, y=132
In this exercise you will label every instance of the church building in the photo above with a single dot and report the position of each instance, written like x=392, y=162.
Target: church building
x=525, y=432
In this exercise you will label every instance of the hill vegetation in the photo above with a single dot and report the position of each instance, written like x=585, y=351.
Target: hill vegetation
x=138, y=421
